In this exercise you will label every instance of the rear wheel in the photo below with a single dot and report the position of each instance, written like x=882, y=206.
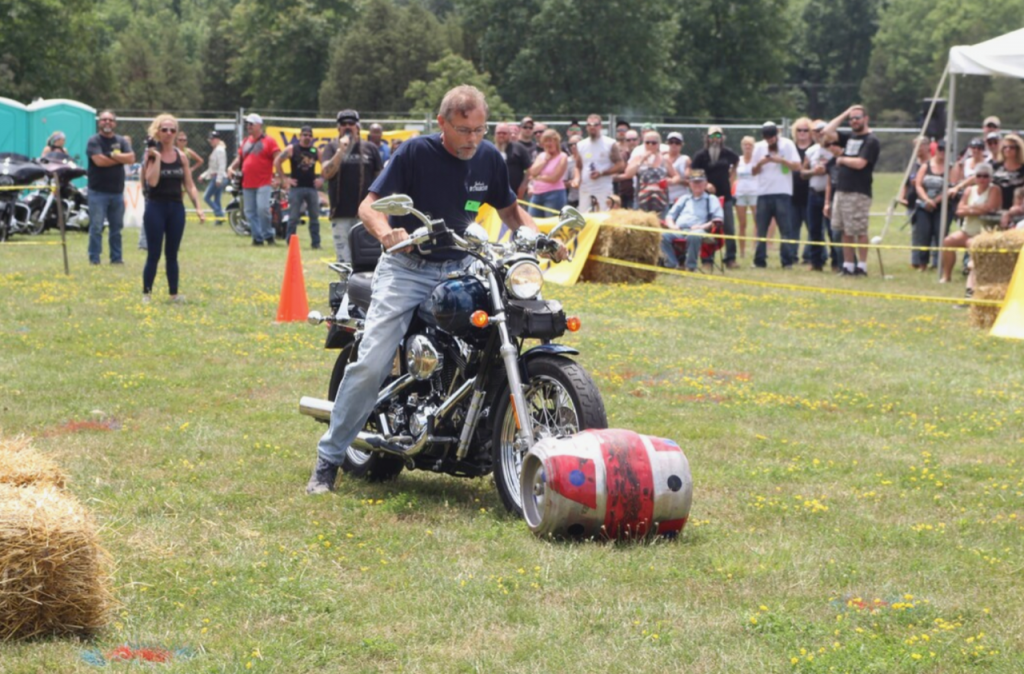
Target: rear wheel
x=36, y=224
x=369, y=466
x=237, y=222
x=562, y=400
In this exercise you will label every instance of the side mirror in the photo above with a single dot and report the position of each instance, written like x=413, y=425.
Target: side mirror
x=476, y=234
x=571, y=219
x=396, y=204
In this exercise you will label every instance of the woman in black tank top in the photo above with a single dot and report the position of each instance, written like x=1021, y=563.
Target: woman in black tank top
x=166, y=172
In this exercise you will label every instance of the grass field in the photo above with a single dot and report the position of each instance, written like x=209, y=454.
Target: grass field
x=857, y=466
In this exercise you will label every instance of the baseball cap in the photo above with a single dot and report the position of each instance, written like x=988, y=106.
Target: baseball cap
x=976, y=142
x=675, y=135
x=991, y=119
x=348, y=115
x=214, y=134
x=253, y=118
x=994, y=135
x=940, y=144
x=306, y=128
x=697, y=174
x=714, y=129
x=769, y=130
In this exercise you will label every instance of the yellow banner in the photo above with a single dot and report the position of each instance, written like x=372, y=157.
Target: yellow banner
x=284, y=135
x=1010, y=322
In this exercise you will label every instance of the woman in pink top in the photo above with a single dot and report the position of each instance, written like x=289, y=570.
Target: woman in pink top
x=547, y=173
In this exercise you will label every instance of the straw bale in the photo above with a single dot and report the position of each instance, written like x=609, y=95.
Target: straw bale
x=20, y=465
x=984, y=315
x=991, y=267
x=54, y=575
x=624, y=244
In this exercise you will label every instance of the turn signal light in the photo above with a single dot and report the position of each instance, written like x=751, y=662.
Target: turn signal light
x=480, y=319
x=572, y=324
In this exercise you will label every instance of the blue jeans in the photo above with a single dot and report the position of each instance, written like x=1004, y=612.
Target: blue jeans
x=401, y=284
x=693, y=244
x=256, y=202
x=729, y=229
x=309, y=196
x=163, y=222
x=777, y=206
x=212, y=196
x=110, y=207
x=554, y=200
x=816, y=255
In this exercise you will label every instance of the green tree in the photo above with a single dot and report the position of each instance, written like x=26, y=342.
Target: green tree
x=279, y=49
x=53, y=49
x=445, y=73
x=733, y=59
x=153, y=71
x=384, y=49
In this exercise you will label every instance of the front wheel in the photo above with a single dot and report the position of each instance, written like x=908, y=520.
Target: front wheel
x=369, y=466
x=237, y=221
x=36, y=224
x=562, y=399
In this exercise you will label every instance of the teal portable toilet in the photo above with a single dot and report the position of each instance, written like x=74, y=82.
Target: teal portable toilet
x=76, y=120
x=13, y=126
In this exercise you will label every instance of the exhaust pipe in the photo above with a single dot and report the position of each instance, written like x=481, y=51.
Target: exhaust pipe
x=365, y=442
x=317, y=408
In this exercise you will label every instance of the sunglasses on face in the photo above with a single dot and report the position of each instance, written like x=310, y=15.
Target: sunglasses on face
x=856, y=118
x=982, y=175
x=105, y=119
x=675, y=142
x=593, y=123
x=651, y=142
x=166, y=129
x=347, y=123
x=714, y=135
x=803, y=130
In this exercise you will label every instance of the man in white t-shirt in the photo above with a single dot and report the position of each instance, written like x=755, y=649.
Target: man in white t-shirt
x=598, y=160
x=678, y=185
x=815, y=160
x=775, y=159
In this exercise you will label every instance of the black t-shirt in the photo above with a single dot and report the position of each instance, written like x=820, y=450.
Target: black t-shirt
x=444, y=186
x=1007, y=181
x=108, y=179
x=717, y=172
x=801, y=186
x=517, y=159
x=168, y=187
x=351, y=183
x=865, y=146
x=303, y=162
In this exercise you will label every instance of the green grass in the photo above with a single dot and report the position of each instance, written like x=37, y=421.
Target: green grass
x=856, y=462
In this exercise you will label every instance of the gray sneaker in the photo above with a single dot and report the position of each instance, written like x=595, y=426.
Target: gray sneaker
x=323, y=477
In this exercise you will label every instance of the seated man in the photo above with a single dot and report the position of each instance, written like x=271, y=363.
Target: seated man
x=695, y=212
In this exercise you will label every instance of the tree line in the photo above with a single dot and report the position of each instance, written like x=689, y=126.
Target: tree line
x=671, y=60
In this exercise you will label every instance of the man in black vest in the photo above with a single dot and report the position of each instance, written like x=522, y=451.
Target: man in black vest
x=303, y=185
x=350, y=166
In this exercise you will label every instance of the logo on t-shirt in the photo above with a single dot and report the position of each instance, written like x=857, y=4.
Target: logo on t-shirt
x=853, y=147
x=477, y=187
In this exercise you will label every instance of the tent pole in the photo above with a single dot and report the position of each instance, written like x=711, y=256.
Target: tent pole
x=913, y=155
x=944, y=217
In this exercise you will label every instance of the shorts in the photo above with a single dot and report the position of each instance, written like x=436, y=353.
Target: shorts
x=746, y=199
x=850, y=213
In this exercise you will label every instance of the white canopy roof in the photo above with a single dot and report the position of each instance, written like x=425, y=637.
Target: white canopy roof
x=1003, y=55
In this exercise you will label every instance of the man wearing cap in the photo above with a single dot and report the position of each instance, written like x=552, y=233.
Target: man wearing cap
x=678, y=184
x=691, y=215
x=303, y=185
x=598, y=160
x=526, y=136
x=256, y=160
x=719, y=162
x=774, y=161
x=217, y=173
x=350, y=166
x=517, y=158
x=449, y=175
x=108, y=154
x=851, y=207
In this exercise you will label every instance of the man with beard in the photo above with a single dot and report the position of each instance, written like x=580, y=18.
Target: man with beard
x=517, y=158
x=598, y=161
x=449, y=175
x=108, y=154
x=719, y=165
x=852, y=204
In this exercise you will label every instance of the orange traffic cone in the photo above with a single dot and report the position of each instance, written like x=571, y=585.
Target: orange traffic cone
x=294, y=305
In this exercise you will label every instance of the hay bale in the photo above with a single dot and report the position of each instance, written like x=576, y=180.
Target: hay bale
x=991, y=267
x=20, y=465
x=984, y=315
x=624, y=244
x=54, y=575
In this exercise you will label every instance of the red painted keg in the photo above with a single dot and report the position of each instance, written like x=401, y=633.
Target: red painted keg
x=610, y=483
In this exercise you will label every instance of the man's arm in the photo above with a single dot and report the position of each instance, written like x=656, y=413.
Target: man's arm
x=279, y=160
x=333, y=165
x=377, y=223
x=833, y=126
x=515, y=217
x=618, y=163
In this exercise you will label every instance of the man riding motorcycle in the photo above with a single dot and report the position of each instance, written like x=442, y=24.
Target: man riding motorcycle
x=448, y=175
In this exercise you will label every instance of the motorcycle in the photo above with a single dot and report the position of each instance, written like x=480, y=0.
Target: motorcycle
x=16, y=170
x=467, y=396
x=42, y=205
x=236, y=214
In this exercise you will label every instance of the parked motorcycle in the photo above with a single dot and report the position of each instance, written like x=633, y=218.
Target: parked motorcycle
x=42, y=204
x=467, y=396
x=236, y=214
x=16, y=170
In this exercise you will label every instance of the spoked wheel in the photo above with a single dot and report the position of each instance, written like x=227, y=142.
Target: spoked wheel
x=36, y=224
x=370, y=466
x=237, y=221
x=562, y=400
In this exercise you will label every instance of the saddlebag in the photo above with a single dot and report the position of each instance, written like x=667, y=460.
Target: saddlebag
x=536, y=319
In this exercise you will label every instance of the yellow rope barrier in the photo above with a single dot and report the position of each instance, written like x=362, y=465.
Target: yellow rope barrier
x=791, y=286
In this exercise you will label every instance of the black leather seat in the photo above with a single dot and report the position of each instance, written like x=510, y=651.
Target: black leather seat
x=359, y=289
x=366, y=250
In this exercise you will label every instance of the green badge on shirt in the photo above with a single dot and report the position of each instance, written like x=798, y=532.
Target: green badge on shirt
x=473, y=206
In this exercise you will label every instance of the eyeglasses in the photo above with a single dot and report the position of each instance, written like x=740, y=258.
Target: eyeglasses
x=167, y=129
x=466, y=131
x=593, y=123
x=675, y=142
x=651, y=142
x=714, y=135
x=803, y=130
x=856, y=118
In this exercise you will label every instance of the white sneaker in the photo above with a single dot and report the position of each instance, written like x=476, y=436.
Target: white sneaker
x=146, y=299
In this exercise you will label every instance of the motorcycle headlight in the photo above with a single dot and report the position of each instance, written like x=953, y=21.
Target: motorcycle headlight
x=524, y=280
